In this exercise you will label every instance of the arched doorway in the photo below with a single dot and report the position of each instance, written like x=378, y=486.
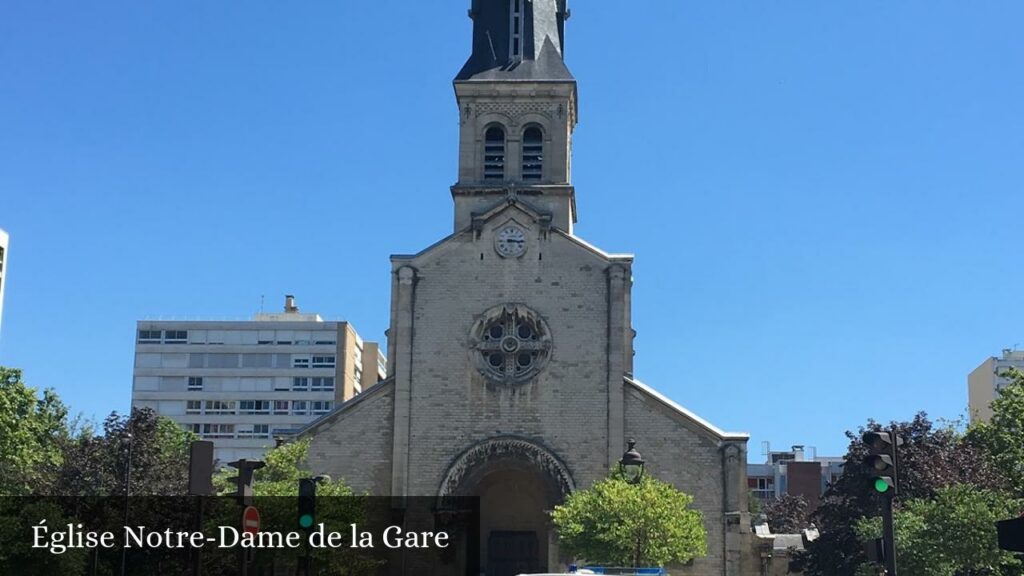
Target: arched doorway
x=518, y=483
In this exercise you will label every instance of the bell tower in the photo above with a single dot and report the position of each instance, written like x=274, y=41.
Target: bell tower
x=517, y=108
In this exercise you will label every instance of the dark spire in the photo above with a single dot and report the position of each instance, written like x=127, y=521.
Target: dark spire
x=517, y=40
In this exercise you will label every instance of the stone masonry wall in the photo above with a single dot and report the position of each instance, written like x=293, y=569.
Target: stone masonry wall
x=564, y=408
x=356, y=444
x=681, y=453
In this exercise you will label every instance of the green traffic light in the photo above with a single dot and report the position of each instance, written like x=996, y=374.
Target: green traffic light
x=881, y=485
x=306, y=520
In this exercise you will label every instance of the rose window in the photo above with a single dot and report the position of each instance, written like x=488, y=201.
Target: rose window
x=510, y=344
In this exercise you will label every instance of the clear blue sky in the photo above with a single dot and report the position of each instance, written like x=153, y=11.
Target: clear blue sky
x=823, y=197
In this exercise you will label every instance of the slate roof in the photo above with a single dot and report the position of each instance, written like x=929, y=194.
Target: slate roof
x=543, y=46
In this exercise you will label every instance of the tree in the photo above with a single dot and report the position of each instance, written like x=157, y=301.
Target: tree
x=787, y=514
x=618, y=523
x=1002, y=438
x=159, y=453
x=276, y=490
x=951, y=534
x=930, y=459
x=285, y=467
x=31, y=428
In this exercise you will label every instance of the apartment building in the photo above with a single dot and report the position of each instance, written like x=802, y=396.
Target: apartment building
x=793, y=472
x=243, y=383
x=987, y=379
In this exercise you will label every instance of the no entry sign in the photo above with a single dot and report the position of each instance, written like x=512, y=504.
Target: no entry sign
x=251, y=520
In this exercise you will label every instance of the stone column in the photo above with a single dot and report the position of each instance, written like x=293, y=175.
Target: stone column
x=739, y=544
x=403, y=380
x=618, y=276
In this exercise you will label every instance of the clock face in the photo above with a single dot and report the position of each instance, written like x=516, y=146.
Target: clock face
x=510, y=241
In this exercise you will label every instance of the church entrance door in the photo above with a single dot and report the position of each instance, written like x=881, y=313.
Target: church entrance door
x=518, y=484
x=512, y=552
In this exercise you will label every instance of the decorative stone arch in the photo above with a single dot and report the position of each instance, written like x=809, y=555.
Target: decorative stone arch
x=459, y=477
x=541, y=120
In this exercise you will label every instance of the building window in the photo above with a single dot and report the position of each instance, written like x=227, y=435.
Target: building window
x=533, y=153
x=220, y=407
x=193, y=407
x=218, y=430
x=254, y=407
x=323, y=384
x=494, y=153
x=321, y=407
x=762, y=488
x=195, y=383
x=280, y=407
x=299, y=407
x=323, y=361
x=300, y=384
x=254, y=431
x=149, y=336
x=300, y=362
x=176, y=336
x=512, y=344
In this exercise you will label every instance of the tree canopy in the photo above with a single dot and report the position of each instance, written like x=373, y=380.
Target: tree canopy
x=622, y=524
x=32, y=428
x=932, y=458
x=1002, y=437
x=787, y=514
x=951, y=534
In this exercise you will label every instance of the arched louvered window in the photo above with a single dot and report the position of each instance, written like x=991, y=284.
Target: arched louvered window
x=494, y=153
x=533, y=153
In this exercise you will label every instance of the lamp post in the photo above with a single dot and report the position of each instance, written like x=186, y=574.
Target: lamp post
x=632, y=464
x=127, y=494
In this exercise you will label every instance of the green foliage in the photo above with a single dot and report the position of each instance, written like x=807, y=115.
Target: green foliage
x=951, y=534
x=618, y=523
x=16, y=553
x=31, y=429
x=1003, y=437
x=285, y=466
x=931, y=459
x=276, y=490
x=787, y=514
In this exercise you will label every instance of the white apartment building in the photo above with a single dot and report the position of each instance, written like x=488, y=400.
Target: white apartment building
x=986, y=379
x=243, y=383
x=4, y=239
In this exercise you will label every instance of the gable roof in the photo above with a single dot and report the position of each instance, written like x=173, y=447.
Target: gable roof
x=375, y=391
x=685, y=414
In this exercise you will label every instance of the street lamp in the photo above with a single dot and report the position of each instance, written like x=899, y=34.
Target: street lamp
x=632, y=464
x=127, y=494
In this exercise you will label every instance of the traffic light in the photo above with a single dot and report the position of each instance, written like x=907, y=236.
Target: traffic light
x=243, y=482
x=307, y=503
x=1011, y=534
x=882, y=461
x=200, y=468
x=875, y=550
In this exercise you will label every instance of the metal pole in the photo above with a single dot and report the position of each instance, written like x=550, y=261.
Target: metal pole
x=890, y=543
x=127, y=493
x=197, y=553
x=887, y=520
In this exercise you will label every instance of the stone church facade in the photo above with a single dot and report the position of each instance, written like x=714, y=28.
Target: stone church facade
x=510, y=342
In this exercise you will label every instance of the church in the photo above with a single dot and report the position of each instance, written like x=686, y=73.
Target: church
x=510, y=343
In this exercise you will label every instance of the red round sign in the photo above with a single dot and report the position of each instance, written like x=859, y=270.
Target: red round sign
x=251, y=520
